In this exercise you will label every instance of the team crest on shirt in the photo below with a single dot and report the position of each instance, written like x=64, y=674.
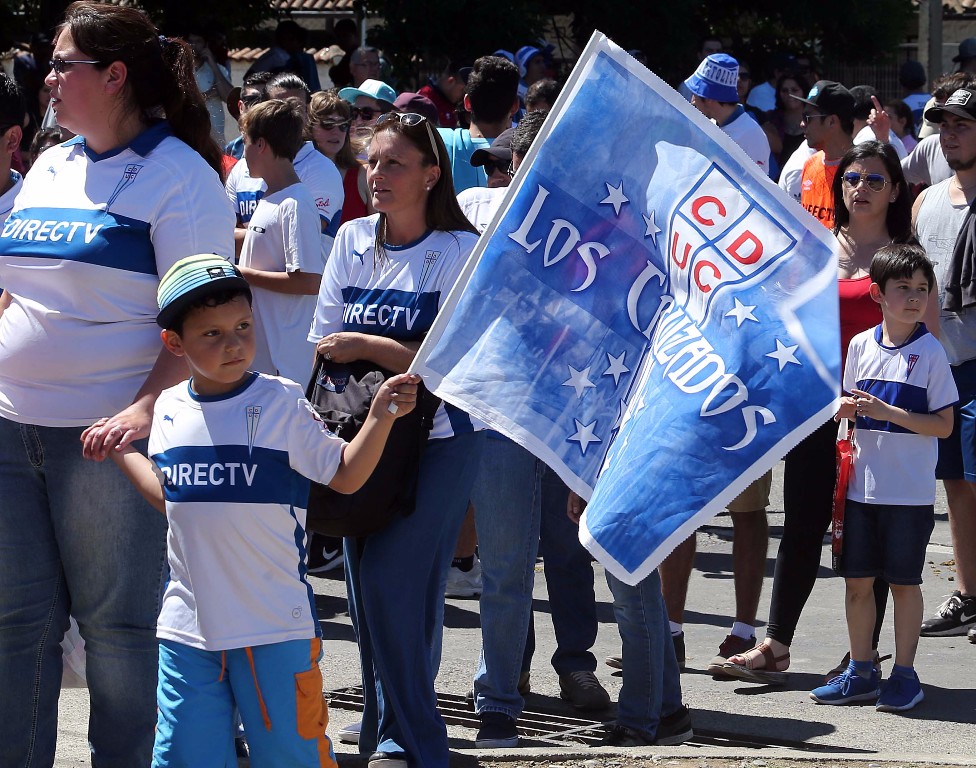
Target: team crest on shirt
x=429, y=261
x=127, y=180
x=253, y=414
x=912, y=359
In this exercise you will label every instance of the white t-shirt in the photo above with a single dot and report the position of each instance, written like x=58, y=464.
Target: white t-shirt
x=82, y=254
x=891, y=464
x=866, y=134
x=750, y=136
x=283, y=236
x=236, y=470
x=480, y=204
x=399, y=297
x=791, y=177
x=317, y=173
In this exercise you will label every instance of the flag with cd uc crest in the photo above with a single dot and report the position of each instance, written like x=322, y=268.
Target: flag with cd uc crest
x=647, y=314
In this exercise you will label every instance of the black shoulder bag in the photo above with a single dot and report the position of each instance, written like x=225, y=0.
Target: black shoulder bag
x=341, y=394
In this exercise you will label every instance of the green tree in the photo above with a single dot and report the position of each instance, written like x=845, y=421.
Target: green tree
x=413, y=33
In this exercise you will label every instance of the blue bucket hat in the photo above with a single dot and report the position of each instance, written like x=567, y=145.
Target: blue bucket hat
x=716, y=78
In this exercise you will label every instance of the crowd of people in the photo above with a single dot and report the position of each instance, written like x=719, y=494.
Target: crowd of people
x=334, y=226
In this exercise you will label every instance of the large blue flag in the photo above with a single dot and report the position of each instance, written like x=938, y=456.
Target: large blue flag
x=647, y=313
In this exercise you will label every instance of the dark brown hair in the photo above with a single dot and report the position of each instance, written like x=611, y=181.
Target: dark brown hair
x=443, y=212
x=160, y=80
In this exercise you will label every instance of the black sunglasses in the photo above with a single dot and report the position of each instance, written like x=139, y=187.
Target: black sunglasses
x=366, y=113
x=60, y=65
x=499, y=166
x=342, y=125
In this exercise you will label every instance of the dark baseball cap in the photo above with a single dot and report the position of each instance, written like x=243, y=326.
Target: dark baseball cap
x=830, y=98
x=962, y=103
x=500, y=149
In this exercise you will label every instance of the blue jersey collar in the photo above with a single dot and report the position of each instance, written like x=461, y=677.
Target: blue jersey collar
x=142, y=144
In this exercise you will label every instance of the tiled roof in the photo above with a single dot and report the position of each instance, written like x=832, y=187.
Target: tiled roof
x=315, y=6
x=330, y=55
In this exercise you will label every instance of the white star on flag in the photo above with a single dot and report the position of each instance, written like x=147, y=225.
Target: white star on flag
x=784, y=354
x=584, y=435
x=652, y=228
x=579, y=380
x=615, y=197
x=741, y=312
x=616, y=367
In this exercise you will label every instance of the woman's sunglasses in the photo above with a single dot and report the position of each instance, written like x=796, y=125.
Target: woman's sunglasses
x=366, y=113
x=328, y=125
x=875, y=181
x=411, y=119
x=499, y=166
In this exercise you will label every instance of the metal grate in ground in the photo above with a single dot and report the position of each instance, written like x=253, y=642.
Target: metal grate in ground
x=553, y=728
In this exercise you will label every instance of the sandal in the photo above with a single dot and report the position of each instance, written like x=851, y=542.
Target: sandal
x=744, y=665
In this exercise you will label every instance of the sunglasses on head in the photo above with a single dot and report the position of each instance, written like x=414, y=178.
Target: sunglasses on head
x=411, y=119
x=341, y=125
x=366, y=113
x=875, y=181
x=60, y=65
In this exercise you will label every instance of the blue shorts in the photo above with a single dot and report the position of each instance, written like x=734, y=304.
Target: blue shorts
x=957, y=453
x=886, y=541
x=277, y=688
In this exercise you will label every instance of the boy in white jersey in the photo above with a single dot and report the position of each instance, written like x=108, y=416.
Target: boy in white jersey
x=231, y=450
x=901, y=393
x=280, y=257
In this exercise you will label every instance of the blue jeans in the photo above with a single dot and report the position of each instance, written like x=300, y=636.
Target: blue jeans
x=75, y=537
x=517, y=498
x=652, y=685
x=396, y=580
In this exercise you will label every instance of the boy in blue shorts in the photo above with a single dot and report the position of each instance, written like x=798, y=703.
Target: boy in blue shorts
x=901, y=393
x=231, y=450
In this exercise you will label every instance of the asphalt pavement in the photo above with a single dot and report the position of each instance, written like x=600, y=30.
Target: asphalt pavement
x=755, y=724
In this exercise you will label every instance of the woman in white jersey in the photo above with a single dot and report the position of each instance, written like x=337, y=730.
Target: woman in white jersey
x=93, y=228
x=382, y=287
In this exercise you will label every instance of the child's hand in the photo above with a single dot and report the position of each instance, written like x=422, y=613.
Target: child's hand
x=847, y=408
x=869, y=406
x=397, y=397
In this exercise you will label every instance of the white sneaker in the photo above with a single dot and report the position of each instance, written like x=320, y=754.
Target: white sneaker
x=349, y=734
x=461, y=584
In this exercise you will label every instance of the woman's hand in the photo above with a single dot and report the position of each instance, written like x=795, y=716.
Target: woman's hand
x=397, y=397
x=879, y=121
x=868, y=405
x=116, y=432
x=344, y=347
x=847, y=408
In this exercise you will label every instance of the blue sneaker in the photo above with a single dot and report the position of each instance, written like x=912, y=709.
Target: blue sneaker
x=848, y=687
x=900, y=693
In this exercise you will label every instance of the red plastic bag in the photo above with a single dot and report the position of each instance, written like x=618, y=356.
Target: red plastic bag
x=845, y=463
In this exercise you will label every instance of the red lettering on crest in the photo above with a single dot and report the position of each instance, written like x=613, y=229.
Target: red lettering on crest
x=674, y=252
x=700, y=203
x=716, y=273
x=751, y=257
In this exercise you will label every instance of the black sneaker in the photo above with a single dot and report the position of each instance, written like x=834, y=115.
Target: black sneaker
x=954, y=617
x=324, y=554
x=583, y=691
x=675, y=728
x=497, y=731
x=622, y=736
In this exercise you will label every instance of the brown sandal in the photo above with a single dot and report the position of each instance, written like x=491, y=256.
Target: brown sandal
x=744, y=665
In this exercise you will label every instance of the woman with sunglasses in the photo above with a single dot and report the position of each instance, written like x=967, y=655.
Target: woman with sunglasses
x=379, y=295
x=330, y=120
x=135, y=191
x=871, y=210
x=369, y=101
